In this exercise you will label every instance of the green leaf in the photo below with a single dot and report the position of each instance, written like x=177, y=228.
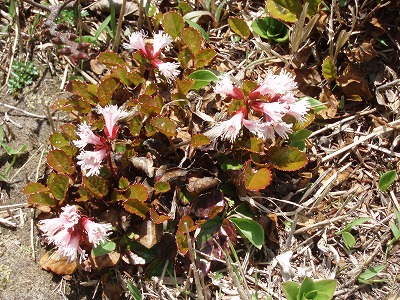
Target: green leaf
x=306, y=286
x=58, y=140
x=287, y=158
x=79, y=88
x=59, y=161
x=353, y=223
x=164, y=125
x=34, y=187
x=191, y=38
x=199, y=140
x=199, y=28
x=136, y=125
x=204, y=57
x=255, y=180
x=106, y=90
x=110, y=59
x=239, y=26
x=123, y=183
x=250, y=229
x=386, y=180
x=326, y=286
x=270, y=28
x=162, y=187
x=104, y=248
x=134, y=291
x=59, y=186
x=367, y=276
x=42, y=199
x=291, y=290
x=286, y=10
x=173, y=24
x=315, y=104
x=348, y=239
x=137, y=191
x=134, y=206
x=96, y=185
x=203, y=78
x=328, y=69
x=227, y=164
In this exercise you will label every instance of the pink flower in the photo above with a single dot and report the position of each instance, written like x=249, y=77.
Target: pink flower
x=264, y=130
x=87, y=136
x=273, y=111
x=229, y=129
x=167, y=69
x=274, y=85
x=68, y=230
x=111, y=113
x=90, y=161
x=225, y=87
x=299, y=110
x=161, y=40
x=95, y=232
x=136, y=42
x=282, y=129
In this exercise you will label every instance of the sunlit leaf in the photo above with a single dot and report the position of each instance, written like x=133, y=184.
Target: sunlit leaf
x=136, y=207
x=203, y=78
x=199, y=140
x=34, y=187
x=348, y=239
x=386, y=180
x=106, y=90
x=134, y=291
x=96, y=185
x=59, y=161
x=204, y=57
x=270, y=28
x=157, y=218
x=58, y=140
x=137, y=191
x=287, y=158
x=162, y=187
x=367, y=277
x=286, y=10
x=173, y=24
x=59, y=186
x=191, y=37
x=104, y=248
x=165, y=125
x=250, y=229
x=328, y=69
x=110, y=59
x=41, y=199
x=80, y=88
x=255, y=180
x=239, y=26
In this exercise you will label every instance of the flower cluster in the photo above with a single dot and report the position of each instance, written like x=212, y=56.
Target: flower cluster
x=71, y=229
x=152, y=53
x=91, y=161
x=266, y=105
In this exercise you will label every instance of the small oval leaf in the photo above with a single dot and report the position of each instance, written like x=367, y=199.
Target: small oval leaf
x=328, y=69
x=173, y=23
x=165, y=125
x=255, y=180
x=202, y=78
x=96, y=185
x=239, y=26
x=59, y=186
x=287, y=158
x=59, y=161
x=250, y=229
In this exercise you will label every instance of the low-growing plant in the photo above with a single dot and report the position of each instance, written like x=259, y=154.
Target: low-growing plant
x=142, y=173
x=22, y=75
x=348, y=239
x=310, y=289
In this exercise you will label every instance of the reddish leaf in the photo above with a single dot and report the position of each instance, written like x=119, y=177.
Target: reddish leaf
x=137, y=191
x=96, y=185
x=42, y=199
x=191, y=37
x=165, y=125
x=80, y=88
x=110, y=59
x=204, y=57
x=287, y=158
x=255, y=180
x=208, y=205
x=136, y=207
x=59, y=186
x=70, y=105
x=186, y=221
x=34, y=187
x=135, y=125
x=157, y=218
x=59, y=161
x=106, y=90
x=173, y=24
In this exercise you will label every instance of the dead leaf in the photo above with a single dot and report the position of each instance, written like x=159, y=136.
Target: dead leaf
x=58, y=265
x=308, y=81
x=199, y=185
x=148, y=233
x=105, y=261
x=330, y=101
x=97, y=67
x=112, y=288
x=144, y=164
x=353, y=83
x=365, y=52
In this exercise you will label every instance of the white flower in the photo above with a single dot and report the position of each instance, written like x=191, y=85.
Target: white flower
x=227, y=130
x=299, y=109
x=282, y=129
x=111, y=113
x=225, y=87
x=264, y=130
x=86, y=136
x=136, y=42
x=273, y=111
x=95, y=232
x=161, y=40
x=91, y=161
x=276, y=84
x=167, y=69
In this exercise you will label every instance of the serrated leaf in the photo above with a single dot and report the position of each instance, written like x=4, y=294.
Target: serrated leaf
x=58, y=140
x=106, y=90
x=386, y=180
x=34, y=187
x=202, y=78
x=199, y=140
x=80, y=88
x=41, y=199
x=184, y=86
x=69, y=131
x=135, y=125
x=204, y=57
x=287, y=158
x=59, y=161
x=286, y=10
x=72, y=104
x=162, y=187
x=328, y=69
x=104, y=248
x=165, y=125
x=250, y=229
x=59, y=186
x=137, y=191
x=173, y=24
x=255, y=180
x=136, y=207
x=191, y=38
x=96, y=185
x=270, y=28
x=123, y=183
x=239, y=26
x=157, y=218
x=199, y=28
x=348, y=239
x=110, y=59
